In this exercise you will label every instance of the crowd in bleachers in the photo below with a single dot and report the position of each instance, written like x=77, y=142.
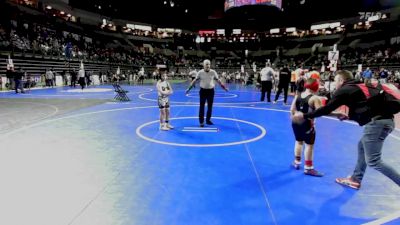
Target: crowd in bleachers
x=38, y=36
x=21, y=36
x=40, y=40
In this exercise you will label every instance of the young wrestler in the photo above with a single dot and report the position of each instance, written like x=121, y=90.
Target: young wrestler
x=304, y=132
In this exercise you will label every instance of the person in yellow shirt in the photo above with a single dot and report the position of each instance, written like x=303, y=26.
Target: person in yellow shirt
x=293, y=79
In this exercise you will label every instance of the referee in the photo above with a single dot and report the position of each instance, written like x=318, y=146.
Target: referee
x=207, y=76
x=267, y=76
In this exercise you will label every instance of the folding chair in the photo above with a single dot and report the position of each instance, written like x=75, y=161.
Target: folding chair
x=120, y=93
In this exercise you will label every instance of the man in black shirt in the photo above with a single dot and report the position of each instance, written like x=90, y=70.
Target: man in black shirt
x=284, y=80
x=10, y=73
x=74, y=78
x=377, y=127
x=18, y=79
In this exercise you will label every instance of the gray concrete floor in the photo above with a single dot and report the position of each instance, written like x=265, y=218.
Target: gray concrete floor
x=17, y=113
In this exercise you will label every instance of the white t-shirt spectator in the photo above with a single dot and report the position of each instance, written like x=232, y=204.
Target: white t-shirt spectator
x=81, y=73
x=141, y=73
x=193, y=74
x=49, y=75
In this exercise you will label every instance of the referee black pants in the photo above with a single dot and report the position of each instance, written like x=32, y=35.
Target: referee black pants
x=266, y=86
x=206, y=95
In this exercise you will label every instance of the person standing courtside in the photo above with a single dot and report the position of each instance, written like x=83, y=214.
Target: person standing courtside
x=284, y=80
x=267, y=75
x=82, y=80
x=49, y=78
x=193, y=74
x=74, y=78
x=293, y=79
x=18, y=80
x=207, y=76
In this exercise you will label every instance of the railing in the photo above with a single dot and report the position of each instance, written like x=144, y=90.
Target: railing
x=39, y=65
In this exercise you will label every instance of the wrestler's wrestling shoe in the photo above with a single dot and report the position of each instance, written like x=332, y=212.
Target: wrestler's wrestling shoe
x=313, y=172
x=164, y=127
x=296, y=165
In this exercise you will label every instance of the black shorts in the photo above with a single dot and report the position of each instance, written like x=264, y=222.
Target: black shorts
x=304, y=132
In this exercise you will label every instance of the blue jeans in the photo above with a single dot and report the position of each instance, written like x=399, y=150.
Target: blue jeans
x=370, y=150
